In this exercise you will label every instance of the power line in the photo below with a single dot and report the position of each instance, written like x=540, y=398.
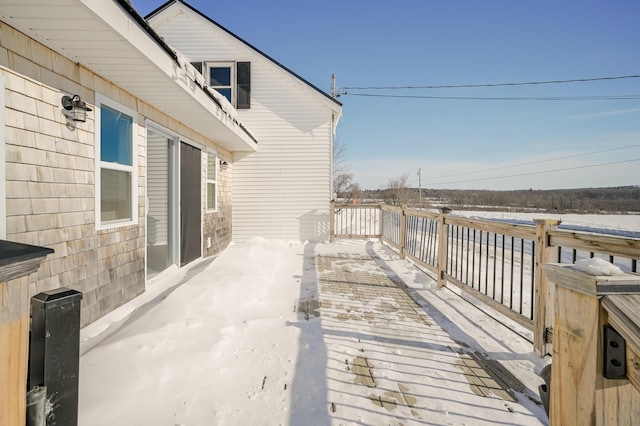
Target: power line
x=541, y=161
x=534, y=173
x=515, y=98
x=456, y=86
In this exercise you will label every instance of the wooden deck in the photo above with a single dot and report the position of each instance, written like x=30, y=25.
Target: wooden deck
x=402, y=362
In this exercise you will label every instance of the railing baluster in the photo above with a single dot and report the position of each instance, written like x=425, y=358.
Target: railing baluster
x=533, y=289
x=465, y=251
x=521, y=274
x=462, y=238
x=427, y=254
x=456, y=255
x=511, y=276
x=495, y=260
x=486, y=267
x=473, y=261
x=502, y=274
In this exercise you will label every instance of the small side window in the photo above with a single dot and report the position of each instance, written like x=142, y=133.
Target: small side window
x=212, y=195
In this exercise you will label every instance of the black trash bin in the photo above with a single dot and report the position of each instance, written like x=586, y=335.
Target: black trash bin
x=54, y=354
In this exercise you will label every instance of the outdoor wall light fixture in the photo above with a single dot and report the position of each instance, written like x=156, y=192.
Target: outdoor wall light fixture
x=223, y=165
x=74, y=108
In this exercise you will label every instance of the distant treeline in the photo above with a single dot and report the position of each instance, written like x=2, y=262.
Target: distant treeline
x=585, y=200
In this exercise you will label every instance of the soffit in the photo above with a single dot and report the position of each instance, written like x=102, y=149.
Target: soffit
x=104, y=37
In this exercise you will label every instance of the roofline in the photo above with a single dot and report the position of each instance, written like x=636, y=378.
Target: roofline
x=170, y=51
x=126, y=5
x=170, y=2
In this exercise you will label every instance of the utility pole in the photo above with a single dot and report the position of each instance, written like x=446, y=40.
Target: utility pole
x=334, y=89
x=335, y=92
x=420, y=188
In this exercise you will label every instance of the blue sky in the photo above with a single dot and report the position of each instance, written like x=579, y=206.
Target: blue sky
x=463, y=143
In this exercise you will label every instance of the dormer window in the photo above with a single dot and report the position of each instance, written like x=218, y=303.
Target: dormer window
x=231, y=79
x=221, y=79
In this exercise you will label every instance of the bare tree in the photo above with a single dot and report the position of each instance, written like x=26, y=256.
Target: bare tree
x=356, y=191
x=397, y=191
x=342, y=178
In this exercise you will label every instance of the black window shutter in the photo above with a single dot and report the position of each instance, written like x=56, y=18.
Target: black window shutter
x=198, y=66
x=243, y=85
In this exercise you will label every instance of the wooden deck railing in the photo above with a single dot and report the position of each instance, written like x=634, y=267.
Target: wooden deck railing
x=499, y=263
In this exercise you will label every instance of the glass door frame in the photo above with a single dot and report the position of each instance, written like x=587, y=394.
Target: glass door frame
x=173, y=208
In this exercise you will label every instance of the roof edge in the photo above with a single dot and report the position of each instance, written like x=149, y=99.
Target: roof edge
x=126, y=5
x=303, y=80
x=145, y=25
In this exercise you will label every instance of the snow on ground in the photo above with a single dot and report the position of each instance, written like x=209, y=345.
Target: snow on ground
x=221, y=343
x=197, y=353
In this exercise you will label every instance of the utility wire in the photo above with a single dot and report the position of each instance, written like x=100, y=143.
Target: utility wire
x=456, y=86
x=540, y=161
x=534, y=173
x=517, y=98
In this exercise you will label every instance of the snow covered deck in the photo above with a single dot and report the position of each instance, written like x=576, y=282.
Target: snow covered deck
x=292, y=333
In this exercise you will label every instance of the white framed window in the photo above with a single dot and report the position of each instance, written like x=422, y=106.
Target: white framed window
x=116, y=164
x=232, y=80
x=221, y=78
x=212, y=181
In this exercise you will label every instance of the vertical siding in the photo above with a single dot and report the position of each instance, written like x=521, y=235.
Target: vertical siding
x=283, y=190
x=157, y=189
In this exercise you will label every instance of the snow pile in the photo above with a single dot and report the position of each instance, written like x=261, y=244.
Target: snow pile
x=206, y=351
x=595, y=266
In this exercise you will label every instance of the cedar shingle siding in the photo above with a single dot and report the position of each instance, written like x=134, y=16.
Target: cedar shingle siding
x=50, y=178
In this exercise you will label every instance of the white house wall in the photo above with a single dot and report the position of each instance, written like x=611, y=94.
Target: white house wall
x=283, y=190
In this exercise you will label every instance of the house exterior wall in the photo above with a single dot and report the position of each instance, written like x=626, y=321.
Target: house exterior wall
x=50, y=178
x=283, y=190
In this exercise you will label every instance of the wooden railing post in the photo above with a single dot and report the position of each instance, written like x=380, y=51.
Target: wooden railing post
x=332, y=221
x=442, y=248
x=544, y=311
x=403, y=230
x=381, y=223
x=585, y=389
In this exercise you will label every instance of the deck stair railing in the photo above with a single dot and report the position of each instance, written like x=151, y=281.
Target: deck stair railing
x=498, y=262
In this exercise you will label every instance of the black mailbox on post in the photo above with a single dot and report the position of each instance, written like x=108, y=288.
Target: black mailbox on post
x=55, y=352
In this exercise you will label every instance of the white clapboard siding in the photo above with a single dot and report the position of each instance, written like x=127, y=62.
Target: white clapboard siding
x=283, y=190
x=158, y=189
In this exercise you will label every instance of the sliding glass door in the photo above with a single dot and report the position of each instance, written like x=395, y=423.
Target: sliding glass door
x=161, y=230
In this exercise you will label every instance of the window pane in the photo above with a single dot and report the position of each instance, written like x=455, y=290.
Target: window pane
x=211, y=196
x=115, y=187
x=220, y=76
x=211, y=166
x=226, y=93
x=115, y=136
